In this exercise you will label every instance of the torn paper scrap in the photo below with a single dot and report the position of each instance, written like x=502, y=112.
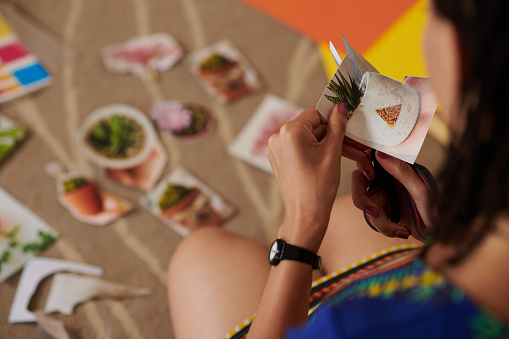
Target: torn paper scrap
x=35, y=271
x=49, y=326
x=68, y=290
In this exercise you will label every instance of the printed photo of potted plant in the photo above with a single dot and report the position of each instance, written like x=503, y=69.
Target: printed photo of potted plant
x=83, y=195
x=184, y=120
x=224, y=75
x=223, y=71
x=84, y=199
x=188, y=207
x=116, y=136
x=183, y=202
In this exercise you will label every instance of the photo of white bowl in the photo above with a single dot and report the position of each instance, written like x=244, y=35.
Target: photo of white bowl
x=387, y=112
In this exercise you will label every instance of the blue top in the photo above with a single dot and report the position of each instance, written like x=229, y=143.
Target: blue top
x=411, y=301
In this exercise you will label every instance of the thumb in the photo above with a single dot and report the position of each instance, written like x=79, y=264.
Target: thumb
x=336, y=125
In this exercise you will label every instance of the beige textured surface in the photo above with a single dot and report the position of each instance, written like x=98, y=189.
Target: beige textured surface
x=136, y=250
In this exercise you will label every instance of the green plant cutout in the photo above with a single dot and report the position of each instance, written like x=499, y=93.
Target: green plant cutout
x=46, y=240
x=71, y=185
x=117, y=137
x=4, y=258
x=9, y=138
x=172, y=195
x=16, y=133
x=12, y=236
x=214, y=61
x=346, y=92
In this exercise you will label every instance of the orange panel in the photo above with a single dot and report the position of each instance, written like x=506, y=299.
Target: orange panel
x=361, y=21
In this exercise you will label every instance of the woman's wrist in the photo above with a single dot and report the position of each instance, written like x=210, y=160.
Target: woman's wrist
x=304, y=232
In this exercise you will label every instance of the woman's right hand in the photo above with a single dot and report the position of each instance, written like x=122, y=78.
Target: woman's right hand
x=377, y=206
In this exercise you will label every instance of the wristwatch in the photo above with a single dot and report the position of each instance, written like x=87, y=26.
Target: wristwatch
x=280, y=250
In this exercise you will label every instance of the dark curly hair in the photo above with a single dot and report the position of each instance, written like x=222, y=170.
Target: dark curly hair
x=475, y=178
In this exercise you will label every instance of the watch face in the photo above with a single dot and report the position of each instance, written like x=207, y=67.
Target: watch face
x=273, y=251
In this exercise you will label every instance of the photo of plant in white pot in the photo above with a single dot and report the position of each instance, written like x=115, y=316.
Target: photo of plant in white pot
x=116, y=136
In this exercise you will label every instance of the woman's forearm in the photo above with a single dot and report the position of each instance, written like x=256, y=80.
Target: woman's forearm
x=285, y=301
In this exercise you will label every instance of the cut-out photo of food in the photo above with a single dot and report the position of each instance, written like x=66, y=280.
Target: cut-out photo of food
x=184, y=203
x=223, y=71
x=84, y=199
x=122, y=141
x=143, y=55
x=11, y=135
x=383, y=113
x=186, y=121
x=23, y=235
x=268, y=118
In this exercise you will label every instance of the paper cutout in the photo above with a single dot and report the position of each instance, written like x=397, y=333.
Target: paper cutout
x=142, y=176
x=141, y=55
x=186, y=121
x=85, y=200
x=20, y=70
x=50, y=327
x=223, y=71
x=23, y=235
x=35, y=271
x=11, y=135
x=402, y=140
x=69, y=290
x=268, y=118
x=116, y=136
x=390, y=114
x=184, y=203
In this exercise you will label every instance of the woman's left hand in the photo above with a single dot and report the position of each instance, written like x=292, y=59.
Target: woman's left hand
x=306, y=160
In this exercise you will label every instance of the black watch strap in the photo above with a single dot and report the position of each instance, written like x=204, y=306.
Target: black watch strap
x=280, y=250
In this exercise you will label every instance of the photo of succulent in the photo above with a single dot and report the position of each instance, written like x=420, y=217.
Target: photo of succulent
x=116, y=137
x=345, y=91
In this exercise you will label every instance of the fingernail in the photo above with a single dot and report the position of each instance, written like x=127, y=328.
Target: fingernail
x=372, y=211
x=341, y=108
x=382, y=155
x=367, y=175
x=401, y=234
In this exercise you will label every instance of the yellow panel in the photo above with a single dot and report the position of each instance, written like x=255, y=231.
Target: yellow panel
x=399, y=51
x=5, y=28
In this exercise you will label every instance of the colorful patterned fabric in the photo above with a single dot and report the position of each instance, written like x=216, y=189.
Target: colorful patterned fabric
x=393, y=294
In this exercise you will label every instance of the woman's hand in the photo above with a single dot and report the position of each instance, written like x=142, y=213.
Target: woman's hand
x=305, y=157
x=377, y=206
